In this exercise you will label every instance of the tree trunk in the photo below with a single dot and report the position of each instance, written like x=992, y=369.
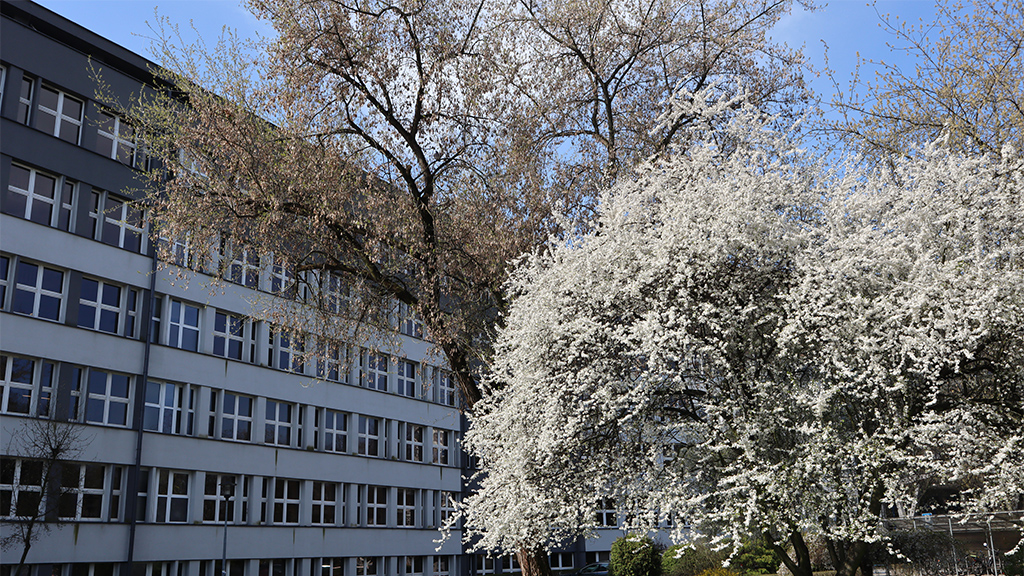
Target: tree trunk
x=801, y=564
x=534, y=562
x=22, y=569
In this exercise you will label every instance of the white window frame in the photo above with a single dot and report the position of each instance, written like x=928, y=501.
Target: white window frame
x=39, y=389
x=231, y=334
x=445, y=387
x=37, y=289
x=405, y=507
x=561, y=561
x=82, y=490
x=335, y=430
x=442, y=565
x=374, y=370
x=447, y=502
x=234, y=416
x=59, y=115
x=25, y=102
x=107, y=397
x=376, y=505
x=365, y=438
x=18, y=488
x=279, y=420
x=220, y=507
x=61, y=205
x=244, y=268
x=172, y=407
x=287, y=501
x=324, y=505
x=409, y=322
x=285, y=351
x=172, y=492
x=412, y=442
x=281, y=278
x=178, y=325
x=405, y=378
x=333, y=363
x=441, y=447
x=125, y=311
x=105, y=214
x=367, y=566
x=121, y=137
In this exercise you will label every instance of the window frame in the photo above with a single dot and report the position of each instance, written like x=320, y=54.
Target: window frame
x=170, y=496
x=40, y=394
x=126, y=310
x=39, y=291
x=107, y=397
x=59, y=114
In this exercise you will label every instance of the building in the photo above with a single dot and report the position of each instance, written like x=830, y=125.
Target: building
x=200, y=425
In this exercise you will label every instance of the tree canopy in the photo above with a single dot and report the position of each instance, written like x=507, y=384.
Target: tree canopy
x=749, y=344
x=407, y=151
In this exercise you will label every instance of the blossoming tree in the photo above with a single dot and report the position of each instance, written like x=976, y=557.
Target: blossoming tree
x=750, y=345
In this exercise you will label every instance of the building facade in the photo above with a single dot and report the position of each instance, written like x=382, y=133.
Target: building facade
x=199, y=425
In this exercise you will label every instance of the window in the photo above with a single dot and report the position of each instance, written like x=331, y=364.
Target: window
x=335, y=431
x=445, y=388
x=230, y=333
x=441, y=443
x=413, y=566
x=376, y=506
x=285, y=351
x=606, y=515
x=117, y=221
x=406, y=378
x=442, y=566
x=26, y=386
x=87, y=490
x=332, y=567
x=21, y=488
x=286, y=501
x=334, y=293
x=42, y=198
x=375, y=371
x=366, y=566
x=28, y=86
x=183, y=326
x=561, y=561
x=235, y=417
x=484, y=564
x=172, y=496
x=325, y=503
x=38, y=291
x=278, y=429
x=155, y=335
x=369, y=436
x=409, y=322
x=5, y=264
x=406, y=507
x=107, y=307
x=334, y=363
x=413, y=442
x=447, y=507
x=282, y=279
x=216, y=506
x=59, y=114
x=594, y=557
x=115, y=139
x=244, y=268
x=107, y=402
x=170, y=408
x=177, y=250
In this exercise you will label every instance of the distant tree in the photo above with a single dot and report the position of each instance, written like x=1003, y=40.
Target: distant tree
x=764, y=347
x=407, y=151
x=964, y=80
x=43, y=446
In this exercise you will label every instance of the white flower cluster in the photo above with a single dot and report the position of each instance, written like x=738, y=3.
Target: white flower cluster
x=750, y=342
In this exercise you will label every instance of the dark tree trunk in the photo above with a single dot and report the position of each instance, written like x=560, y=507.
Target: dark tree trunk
x=800, y=563
x=534, y=562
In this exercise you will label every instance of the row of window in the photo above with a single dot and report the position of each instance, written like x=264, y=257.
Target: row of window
x=29, y=386
x=558, y=561
x=54, y=200
x=38, y=290
x=359, y=566
x=93, y=492
x=56, y=112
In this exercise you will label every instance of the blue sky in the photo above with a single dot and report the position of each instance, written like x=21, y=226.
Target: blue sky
x=848, y=27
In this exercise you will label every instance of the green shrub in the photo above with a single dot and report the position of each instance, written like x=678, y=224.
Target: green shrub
x=692, y=562
x=756, y=558
x=635, y=555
